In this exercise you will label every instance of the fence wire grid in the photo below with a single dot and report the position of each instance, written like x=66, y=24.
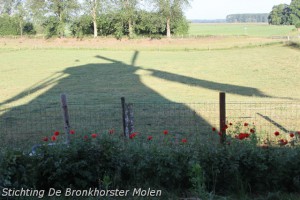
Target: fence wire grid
x=28, y=124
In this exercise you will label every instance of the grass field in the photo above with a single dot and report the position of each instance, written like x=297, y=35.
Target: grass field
x=253, y=30
x=98, y=72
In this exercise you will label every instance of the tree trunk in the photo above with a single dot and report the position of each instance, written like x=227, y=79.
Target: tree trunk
x=130, y=28
x=95, y=19
x=21, y=28
x=168, y=28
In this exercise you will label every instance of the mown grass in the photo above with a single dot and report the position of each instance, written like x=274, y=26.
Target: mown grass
x=256, y=30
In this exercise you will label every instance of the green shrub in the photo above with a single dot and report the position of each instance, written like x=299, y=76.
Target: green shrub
x=179, y=166
x=9, y=25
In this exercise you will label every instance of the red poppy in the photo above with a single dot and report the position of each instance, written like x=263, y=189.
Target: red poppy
x=242, y=136
x=72, y=132
x=276, y=133
x=225, y=127
x=184, y=140
x=252, y=130
x=45, y=139
x=220, y=133
x=213, y=129
x=166, y=132
x=56, y=133
x=86, y=137
x=132, y=135
x=298, y=132
x=246, y=124
x=53, y=138
x=150, y=137
x=94, y=135
x=292, y=135
x=111, y=131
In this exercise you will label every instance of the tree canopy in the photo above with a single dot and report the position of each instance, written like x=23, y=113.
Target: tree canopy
x=94, y=17
x=284, y=14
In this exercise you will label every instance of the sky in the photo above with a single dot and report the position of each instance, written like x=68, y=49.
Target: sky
x=219, y=9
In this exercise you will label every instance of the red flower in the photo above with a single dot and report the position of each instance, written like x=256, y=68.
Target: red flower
x=246, y=124
x=45, y=139
x=220, y=133
x=150, y=137
x=184, y=140
x=132, y=135
x=86, y=137
x=111, y=131
x=242, y=136
x=298, y=132
x=53, y=138
x=276, y=133
x=213, y=129
x=225, y=127
x=166, y=132
x=72, y=132
x=252, y=130
x=56, y=133
x=94, y=135
x=292, y=135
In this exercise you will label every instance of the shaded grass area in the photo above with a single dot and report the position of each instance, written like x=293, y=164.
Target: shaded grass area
x=95, y=80
x=257, y=30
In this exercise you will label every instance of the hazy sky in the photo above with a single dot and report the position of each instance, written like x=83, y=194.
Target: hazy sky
x=218, y=9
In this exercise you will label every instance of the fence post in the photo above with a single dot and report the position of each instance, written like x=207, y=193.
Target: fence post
x=64, y=106
x=222, y=102
x=124, y=117
x=130, y=121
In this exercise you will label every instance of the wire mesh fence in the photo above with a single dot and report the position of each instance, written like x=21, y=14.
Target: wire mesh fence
x=28, y=124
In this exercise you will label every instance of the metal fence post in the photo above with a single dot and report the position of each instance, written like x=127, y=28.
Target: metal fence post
x=64, y=106
x=222, y=102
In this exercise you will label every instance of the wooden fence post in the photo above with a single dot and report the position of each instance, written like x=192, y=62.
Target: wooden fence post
x=127, y=118
x=64, y=106
x=130, y=122
x=222, y=102
x=125, y=132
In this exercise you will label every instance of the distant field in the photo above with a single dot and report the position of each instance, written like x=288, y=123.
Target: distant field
x=256, y=30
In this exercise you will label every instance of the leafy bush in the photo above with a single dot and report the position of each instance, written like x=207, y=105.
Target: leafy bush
x=9, y=25
x=181, y=166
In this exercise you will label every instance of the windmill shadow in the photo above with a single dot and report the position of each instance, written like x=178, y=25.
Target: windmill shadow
x=94, y=91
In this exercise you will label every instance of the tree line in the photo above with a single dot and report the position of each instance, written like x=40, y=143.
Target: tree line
x=93, y=17
x=245, y=18
x=284, y=14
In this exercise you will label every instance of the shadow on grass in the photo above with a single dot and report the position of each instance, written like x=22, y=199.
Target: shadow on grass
x=94, y=91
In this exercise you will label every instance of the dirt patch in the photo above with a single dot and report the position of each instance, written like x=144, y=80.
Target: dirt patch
x=133, y=44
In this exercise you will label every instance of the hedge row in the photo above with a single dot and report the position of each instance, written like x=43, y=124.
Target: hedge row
x=175, y=166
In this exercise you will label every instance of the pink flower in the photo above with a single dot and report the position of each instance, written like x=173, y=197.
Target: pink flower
x=72, y=132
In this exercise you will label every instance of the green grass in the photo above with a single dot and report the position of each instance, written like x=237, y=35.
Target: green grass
x=33, y=79
x=256, y=30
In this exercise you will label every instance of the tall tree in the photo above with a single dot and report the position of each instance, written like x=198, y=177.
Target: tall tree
x=170, y=9
x=62, y=9
x=92, y=7
x=279, y=14
x=6, y=6
x=295, y=11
